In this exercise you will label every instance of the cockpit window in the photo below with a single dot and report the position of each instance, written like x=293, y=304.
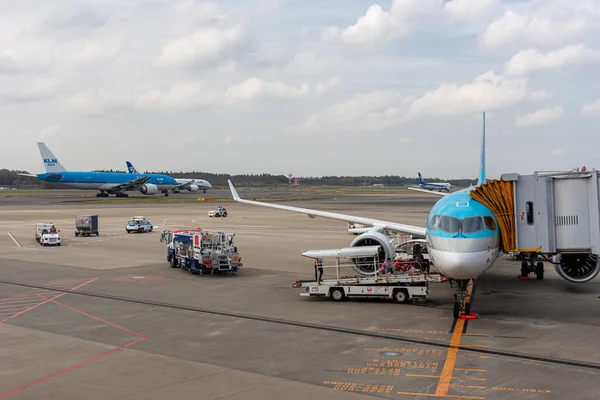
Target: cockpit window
x=490, y=223
x=435, y=220
x=472, y=225
x=449, y=224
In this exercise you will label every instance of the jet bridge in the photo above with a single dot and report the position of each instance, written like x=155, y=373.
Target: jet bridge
x=555, y=215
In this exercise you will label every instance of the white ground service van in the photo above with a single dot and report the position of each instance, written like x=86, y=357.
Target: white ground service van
x=47, y=234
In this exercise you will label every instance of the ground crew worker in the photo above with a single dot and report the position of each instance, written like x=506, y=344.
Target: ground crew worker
x=388, y=266
x=319, y=269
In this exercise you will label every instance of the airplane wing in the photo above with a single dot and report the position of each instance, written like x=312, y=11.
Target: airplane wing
x=31, y=175
x=391, y=226
x=134, y=184
x=427, y=191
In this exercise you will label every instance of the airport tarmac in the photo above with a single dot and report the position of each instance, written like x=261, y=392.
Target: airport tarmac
x=106, y=317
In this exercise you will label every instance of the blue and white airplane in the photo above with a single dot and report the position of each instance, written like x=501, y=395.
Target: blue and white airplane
x=462, y=235
x=106, y=182
x=191, y=185
x=434, y=185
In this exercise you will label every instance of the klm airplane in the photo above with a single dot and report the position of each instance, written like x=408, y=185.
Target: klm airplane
x=191, y=185
x=106, y=182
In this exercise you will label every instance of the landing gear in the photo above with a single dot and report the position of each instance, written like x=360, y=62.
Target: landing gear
x=102, y=194
x=531, y=266
x=166, y=192
x=465, y=290
x=120, y=194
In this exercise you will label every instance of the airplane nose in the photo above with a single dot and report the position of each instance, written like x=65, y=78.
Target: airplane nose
x=461, y=258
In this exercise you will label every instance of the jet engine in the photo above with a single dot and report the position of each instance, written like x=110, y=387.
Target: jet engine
x=373, y=237
x=193, y=188
x=577, y=268
x=149, y=189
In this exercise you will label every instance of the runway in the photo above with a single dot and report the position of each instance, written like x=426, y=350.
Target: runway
x=106, y=317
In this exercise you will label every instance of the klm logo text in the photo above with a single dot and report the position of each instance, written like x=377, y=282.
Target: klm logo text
x=50, y=161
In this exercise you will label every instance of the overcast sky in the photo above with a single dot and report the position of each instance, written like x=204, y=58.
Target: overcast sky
x=311, y=87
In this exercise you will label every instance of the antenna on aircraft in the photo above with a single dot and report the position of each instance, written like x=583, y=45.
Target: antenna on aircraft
x=482, y=160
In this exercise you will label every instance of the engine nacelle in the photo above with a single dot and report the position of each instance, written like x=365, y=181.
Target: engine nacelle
x=577, y=268
x=193, y=188
x=374, y=237
x=148, y=189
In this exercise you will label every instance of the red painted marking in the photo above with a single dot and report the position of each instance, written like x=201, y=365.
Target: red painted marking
x=524, y=278
x=18, y=303
x=14, y=239
x=472, y=316
x=44, y=379
x=46, y=301
x=100, y=319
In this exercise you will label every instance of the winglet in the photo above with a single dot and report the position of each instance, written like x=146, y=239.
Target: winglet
x=481, y=180
x=234, y=192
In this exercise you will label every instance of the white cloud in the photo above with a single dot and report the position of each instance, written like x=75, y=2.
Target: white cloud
x=364, y=111
x=407, y=16
x=182, y=95
x=591, y=108
x=192, y=94
x=255, y=88
x=50, y=131
x=95, y=102
x=488, y=91
x=544, y=23
x=205, y=45
x=540, y=95
x=527, y=61
x=540, y=117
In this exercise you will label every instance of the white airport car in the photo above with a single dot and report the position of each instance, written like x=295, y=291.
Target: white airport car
x=138, y=224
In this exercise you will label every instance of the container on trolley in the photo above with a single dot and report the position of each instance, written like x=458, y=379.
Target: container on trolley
x=202, y=252
x=86, y=225
x=403, y=281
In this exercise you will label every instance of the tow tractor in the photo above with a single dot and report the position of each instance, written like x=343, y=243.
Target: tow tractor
x=202, y=252
x=46, y=234
x=403, y=281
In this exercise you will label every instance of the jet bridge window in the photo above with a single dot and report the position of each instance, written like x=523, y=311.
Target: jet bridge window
x=529, y=212
x=472, y=225
x=490, y=223
x=449, y=224
x=434, y=222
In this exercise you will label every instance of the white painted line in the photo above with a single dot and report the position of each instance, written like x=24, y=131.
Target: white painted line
x=14, y=240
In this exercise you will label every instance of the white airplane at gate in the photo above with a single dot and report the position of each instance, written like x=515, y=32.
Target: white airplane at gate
x=462, y=234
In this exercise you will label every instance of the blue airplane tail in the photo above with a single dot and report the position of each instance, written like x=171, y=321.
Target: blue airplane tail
x=130, y=168
x=481, y=179
x=51, y=163
x=421, y=181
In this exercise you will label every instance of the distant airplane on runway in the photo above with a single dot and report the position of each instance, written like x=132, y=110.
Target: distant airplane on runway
x=191, y=185
x=116, y=183
x=439, y=186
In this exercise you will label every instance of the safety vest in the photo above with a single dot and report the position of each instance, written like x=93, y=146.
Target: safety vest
x=318, y=262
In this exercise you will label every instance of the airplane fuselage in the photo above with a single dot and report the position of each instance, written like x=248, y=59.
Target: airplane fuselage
x=462, y=236
x=105, y=180
x=436, y=186
x=201, y=183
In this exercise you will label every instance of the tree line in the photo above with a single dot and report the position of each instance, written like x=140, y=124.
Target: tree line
x=11, y=178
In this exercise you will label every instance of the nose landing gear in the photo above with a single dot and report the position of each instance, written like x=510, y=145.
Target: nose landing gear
x=465, y=291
